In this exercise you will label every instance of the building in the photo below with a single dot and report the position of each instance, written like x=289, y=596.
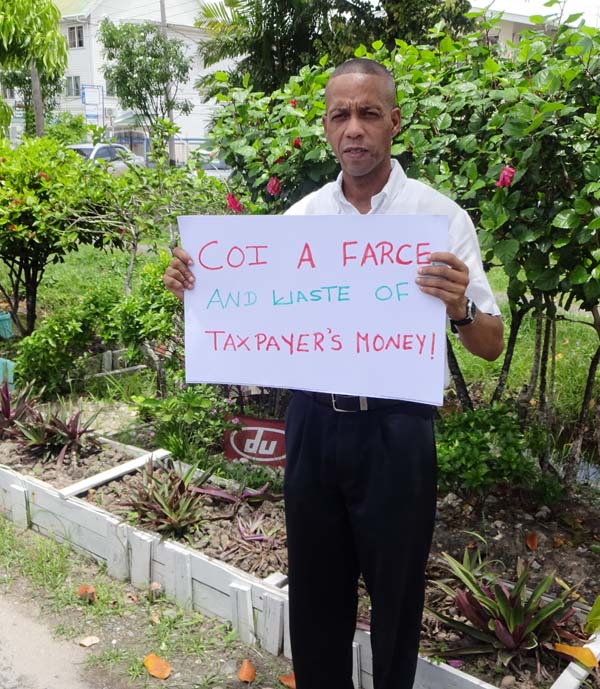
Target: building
x=517, y=16
x=86, y=91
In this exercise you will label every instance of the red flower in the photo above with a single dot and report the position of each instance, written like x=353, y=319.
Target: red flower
x=506, y=176
x=280, y=160
x=297, y=142
x=43, y=175
x=274, y=186
x=293, y=102
x=234, y=204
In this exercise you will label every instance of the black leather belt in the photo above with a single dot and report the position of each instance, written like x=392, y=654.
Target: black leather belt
x=349, y=403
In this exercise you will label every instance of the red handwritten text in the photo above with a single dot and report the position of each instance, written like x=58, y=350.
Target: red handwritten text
x=235, y=257
x=290, y=343
x=381, y=252
x=421, y=343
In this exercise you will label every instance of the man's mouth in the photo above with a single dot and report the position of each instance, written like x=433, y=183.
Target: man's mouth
x=354, y=150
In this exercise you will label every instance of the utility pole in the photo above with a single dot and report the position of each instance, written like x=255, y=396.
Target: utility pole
x=163, y=28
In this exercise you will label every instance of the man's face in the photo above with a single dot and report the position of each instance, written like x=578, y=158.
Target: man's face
x=360, y=123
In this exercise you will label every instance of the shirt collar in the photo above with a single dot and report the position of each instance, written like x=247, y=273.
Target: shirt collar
x=380, y=201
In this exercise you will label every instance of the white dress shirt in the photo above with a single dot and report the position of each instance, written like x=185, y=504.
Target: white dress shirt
x=402, y=195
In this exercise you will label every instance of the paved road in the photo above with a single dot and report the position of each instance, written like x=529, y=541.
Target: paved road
x=30, y=658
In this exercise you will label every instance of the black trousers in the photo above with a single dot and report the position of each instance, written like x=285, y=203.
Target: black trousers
x=360, y=491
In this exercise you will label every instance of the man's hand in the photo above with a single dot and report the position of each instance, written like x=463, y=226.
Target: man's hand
x=446, y=278
x=178, y=276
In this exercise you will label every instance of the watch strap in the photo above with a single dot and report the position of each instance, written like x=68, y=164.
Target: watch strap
x=470, y=312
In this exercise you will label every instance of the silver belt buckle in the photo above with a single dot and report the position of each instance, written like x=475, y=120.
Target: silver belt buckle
x=363, y=403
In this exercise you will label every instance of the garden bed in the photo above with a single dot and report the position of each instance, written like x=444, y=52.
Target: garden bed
x=209, y=582
x=252, y=538
x=94, y=461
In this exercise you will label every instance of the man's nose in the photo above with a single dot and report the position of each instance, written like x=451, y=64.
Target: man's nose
x=354, y=127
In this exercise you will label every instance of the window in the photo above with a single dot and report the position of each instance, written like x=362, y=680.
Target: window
x=105, y=153
x=76, y=36
x=73, y=86
x=110, y=88
x=7, y=92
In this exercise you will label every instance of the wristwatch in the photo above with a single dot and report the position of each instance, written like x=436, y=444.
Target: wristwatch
x=468, y=319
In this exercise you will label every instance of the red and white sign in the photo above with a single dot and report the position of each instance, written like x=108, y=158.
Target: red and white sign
x=257, y=441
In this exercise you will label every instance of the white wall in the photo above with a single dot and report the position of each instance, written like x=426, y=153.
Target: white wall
x=87, y=62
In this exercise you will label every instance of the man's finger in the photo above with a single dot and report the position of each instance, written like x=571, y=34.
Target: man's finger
x=183, y=256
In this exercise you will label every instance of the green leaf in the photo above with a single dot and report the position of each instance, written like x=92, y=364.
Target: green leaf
x=591, y=290
x=548, y=280
x=221, y=76
x=491, y=66
x=566, y=220
x=578, y=276
x=582, y=206
x=464, y=628
x=546, y=612
x=538, y=592
x=507, y=249
x=592, y=621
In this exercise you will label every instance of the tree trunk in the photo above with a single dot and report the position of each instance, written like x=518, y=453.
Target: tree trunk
x=526, y=393
x=459, y=381
x=37, y=100
x=574, y=456
x=515, y=325
x=542, y=404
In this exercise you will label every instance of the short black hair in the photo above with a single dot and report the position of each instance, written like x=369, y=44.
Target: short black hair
x=363, y=65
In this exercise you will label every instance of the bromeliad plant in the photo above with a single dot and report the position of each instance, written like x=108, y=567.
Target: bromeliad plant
x=167, y=501
x=510, y=622
x=56, y=435
x=14, y=408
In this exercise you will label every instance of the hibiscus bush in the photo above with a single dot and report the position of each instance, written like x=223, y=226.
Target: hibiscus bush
x=512, y=135
x=274, y=142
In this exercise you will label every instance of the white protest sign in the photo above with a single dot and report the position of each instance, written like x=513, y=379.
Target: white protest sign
x=323, y=303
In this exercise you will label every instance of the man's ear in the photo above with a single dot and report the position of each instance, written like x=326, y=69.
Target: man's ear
x=324, y=120
x=396, y=120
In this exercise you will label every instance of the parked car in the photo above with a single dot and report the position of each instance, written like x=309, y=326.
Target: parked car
x=206, y=159
x=117, y=156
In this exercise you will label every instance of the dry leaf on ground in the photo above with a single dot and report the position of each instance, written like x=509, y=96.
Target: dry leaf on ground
x=288, y=680
x=247, y=672
x=532, y=540
x=87, y=593
x=583, y=655
x=154, y=591
x=156, y=666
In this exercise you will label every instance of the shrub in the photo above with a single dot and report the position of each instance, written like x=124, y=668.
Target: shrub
x=52, y=354
x=51, y=202
x=150, y=312
x=191, y=423
x=482, y=449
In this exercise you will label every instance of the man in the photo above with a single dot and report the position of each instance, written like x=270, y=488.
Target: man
x=360, y=484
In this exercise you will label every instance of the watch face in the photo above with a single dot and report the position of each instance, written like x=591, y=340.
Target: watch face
x=472, y=310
